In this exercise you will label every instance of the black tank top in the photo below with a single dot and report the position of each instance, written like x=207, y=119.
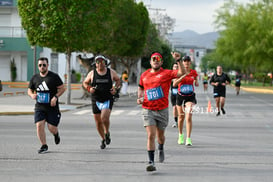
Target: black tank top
x=103, y=84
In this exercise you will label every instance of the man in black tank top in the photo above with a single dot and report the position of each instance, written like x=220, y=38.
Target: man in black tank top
x=99, y=82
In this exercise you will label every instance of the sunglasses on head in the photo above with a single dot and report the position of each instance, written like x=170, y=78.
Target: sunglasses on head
x=156, y=59
x=40, y=65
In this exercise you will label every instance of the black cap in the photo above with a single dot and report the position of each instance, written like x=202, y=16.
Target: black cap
x=186, y=58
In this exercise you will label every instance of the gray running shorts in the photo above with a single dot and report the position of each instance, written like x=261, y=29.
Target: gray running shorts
x=158, y=118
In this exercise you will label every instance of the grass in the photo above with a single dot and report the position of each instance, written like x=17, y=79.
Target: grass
x=255, y=85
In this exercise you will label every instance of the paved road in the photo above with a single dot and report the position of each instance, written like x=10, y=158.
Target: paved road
x=234, y=147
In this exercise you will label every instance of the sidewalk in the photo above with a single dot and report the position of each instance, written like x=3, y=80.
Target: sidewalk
x=17, y=102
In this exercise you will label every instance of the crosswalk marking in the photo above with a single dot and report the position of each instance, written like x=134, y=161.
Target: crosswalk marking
x=201, y=113
x=133, y=113
x=83, y=112
x=113, y=113
x=116, y=112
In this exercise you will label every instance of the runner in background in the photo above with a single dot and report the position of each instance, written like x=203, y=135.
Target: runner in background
x=174, y=90
x=238, y=83
x=219, y=81
x=205, y=82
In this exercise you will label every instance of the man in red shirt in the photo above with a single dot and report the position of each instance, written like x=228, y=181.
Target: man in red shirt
x=153, y=92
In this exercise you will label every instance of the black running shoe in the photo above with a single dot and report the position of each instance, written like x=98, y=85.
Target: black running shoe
x=107, y=138
x=150, y=167
x=218, y=114
x=161, y=156
x=102, y=146
x=223, y=110
x=43, y=149
x=57, y=138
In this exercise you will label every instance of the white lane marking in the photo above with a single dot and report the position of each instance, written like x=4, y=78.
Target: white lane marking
x=131, y=113
x=83, y=112
x=116, y=112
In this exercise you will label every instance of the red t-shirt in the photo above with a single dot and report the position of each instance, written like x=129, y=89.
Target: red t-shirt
x=185, y=87
x=156, y=88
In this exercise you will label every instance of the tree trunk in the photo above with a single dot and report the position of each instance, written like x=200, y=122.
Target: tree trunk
x=68, y=72
x=271, y=79
x=113, y=64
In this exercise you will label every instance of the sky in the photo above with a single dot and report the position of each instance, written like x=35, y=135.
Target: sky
x=196, y=15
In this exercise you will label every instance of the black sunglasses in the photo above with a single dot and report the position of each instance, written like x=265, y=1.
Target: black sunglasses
x=187, y=60
x=40, y=65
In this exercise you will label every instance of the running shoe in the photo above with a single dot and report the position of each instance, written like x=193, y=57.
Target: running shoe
x=43, y=149
x=223, y=110
x=180, y=139
x=161, y=156
x=57, y=138
x=188, y=142
x=102, y=146
x=150, y=167
x=174, y=125
x=218, y=113
x=107, y=138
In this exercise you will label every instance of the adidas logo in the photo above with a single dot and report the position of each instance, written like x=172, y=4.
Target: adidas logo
x=43, y=87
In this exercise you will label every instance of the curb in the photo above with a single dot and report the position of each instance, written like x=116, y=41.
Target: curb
x=257, y=90
x=16, y=113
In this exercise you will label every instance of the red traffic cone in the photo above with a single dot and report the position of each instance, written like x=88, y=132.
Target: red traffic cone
x=209, y=106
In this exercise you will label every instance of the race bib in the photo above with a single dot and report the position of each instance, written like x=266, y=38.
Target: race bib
x=43, y=97
x=103, y=105
x=186, y=89
x=154, y=93
x=174, y=91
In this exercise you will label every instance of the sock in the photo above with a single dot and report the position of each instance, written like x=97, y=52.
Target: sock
x=175, y=119
x=151, y=154
x=160, y=146
x=57, y=134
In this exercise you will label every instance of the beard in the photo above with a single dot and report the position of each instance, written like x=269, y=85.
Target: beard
x=43, y=71
x=156, y=68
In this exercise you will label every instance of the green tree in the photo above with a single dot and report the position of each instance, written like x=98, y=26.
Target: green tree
x=246, y=36
x=61, y=25
x=116, y=28
x=129, y=33
x=153, y=44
